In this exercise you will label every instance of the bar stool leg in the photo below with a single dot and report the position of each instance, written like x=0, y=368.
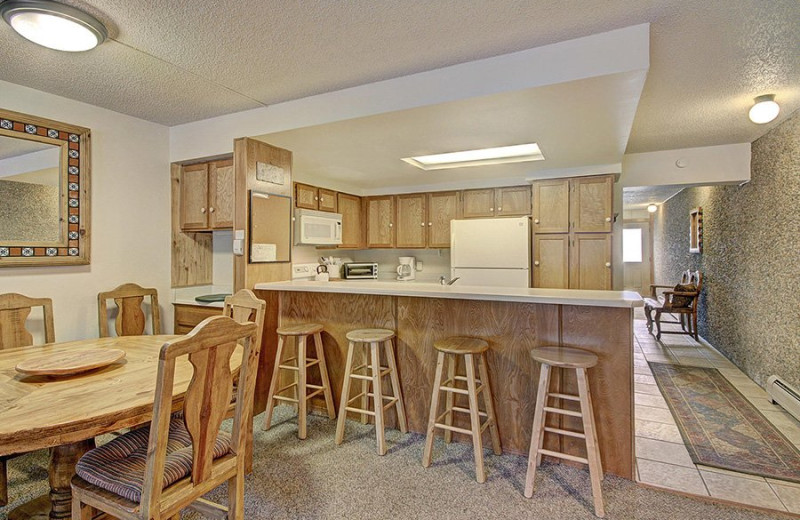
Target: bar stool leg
x=475, y=419
x=594, y=431
x=377, y=395
x=537, y=434
x=323, y=371
x=591, y=442
x=399, y=406
x=273, y=384
x=301, y=387
x=450, y=397
x=437, y=382
x=345, y=394
x=365, y=387
x=487, y=400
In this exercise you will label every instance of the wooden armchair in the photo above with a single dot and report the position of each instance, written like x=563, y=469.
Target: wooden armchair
x=130, y=319
x=154, y=473
x=682, y=303
x=14, y=311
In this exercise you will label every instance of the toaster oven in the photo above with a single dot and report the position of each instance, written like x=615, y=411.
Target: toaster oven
x=360, y=270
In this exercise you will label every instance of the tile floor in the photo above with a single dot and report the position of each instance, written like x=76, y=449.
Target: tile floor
x=662, y=459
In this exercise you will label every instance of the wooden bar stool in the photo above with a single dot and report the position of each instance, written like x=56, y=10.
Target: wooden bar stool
x=373, y=373
x=580, y=360
x=471, y=349
x=300, y=368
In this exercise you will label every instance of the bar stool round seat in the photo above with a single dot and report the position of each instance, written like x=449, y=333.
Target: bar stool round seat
x=303, y=329
x=368, y=335
x=564, y=357
x=460, y=346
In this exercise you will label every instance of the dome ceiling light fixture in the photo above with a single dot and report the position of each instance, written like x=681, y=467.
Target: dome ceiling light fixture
x=652, y=208
x=764, y=110
x=54, y=25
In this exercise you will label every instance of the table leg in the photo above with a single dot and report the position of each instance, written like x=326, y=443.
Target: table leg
x=57, y=505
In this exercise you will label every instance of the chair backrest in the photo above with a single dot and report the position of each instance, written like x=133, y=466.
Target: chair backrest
x=14, y=311
x=209, y=347
x=130, y=316
x=246, y=306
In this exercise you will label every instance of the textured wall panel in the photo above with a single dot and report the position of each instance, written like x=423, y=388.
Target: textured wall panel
x=750, y=260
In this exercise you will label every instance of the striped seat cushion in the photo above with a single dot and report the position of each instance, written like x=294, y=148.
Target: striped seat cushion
x=119, y=465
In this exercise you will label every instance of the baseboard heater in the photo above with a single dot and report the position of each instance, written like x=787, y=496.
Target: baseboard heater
x=785, y=395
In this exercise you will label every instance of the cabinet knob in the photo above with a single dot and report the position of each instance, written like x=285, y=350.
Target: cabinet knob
x=536, y=221
x=211, y=210
x=422, y=224
x=316, y=198
x=202, y=210
x=608, y=264
x=390, y=224
x=491, y=209
x=536, y=262
x=430, y=223
x=321, y=199
x=499, y=209
x=608, y=219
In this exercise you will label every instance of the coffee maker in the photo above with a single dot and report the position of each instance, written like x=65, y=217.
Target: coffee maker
x=407, y=270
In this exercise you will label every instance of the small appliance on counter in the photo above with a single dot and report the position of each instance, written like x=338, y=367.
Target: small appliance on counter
x=360, y=271
x=407, y=270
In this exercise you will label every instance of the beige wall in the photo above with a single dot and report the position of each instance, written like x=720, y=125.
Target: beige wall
x=750, y=259
x=130, y=213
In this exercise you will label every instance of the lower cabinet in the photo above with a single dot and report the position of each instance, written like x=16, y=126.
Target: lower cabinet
x=572, y=261
x=188, y=316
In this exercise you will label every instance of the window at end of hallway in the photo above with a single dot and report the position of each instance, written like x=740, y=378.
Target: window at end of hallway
x=632, y=245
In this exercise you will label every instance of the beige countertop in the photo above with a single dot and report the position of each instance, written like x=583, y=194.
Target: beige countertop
x=456, y=292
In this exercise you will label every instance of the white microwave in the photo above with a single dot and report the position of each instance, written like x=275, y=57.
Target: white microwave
x=317, y=227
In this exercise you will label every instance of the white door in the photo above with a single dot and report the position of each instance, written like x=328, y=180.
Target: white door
x=637, y=256
x=492, y=277
x=494, y=242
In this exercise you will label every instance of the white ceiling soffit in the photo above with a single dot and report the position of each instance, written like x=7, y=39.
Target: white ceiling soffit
x=176, y=62
x=578, y=124
x=640, y=197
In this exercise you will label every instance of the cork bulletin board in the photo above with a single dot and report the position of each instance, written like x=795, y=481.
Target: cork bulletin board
x=270, y=228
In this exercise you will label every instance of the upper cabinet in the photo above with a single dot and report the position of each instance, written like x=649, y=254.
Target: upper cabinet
x=512, y=201
x=311, y=197
x=380, y=221
x=591, y=207
x=412, y=228
x=207, y=196
x=352, y=220
x=327, y=200
x=442, y=208
x=551, y=206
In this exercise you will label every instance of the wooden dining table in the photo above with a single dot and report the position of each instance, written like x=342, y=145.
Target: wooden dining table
x=65, y=413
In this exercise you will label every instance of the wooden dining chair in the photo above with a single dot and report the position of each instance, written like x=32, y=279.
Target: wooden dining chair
x=246, y=306
x=682, y=301
x=131, y=319
x=156, y=471
x=14, y=312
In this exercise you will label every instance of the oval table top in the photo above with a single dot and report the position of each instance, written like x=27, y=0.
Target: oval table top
x=39, y=411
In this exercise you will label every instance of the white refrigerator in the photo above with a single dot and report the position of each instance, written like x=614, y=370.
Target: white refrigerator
x=491, y=251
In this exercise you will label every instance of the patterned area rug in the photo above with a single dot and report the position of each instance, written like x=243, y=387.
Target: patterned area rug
x=721, y=428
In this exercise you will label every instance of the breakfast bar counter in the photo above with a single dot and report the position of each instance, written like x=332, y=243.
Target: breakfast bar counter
x=513, y=321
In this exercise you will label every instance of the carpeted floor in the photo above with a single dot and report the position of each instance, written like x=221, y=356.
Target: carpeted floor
x=315, y=479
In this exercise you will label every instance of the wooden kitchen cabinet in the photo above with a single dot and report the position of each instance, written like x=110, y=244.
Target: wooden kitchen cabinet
x=477, y=203
x=591, y=204
x=305, y=196
x=551, y=206
x=442, y=208
x=551, y=261
x=207, y=200
x=512, y=202
x=412, y=229
x=188, y=316
x=590, y=261
x=327, y=200
x=352, y=221
x=380, y=221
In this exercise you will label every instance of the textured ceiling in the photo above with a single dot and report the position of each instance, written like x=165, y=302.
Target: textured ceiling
x=641, y=196
x=180, y=61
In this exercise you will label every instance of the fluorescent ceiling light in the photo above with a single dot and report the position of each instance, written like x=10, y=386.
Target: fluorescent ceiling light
x=764, y=110
x=484, y=156
x=53, y=25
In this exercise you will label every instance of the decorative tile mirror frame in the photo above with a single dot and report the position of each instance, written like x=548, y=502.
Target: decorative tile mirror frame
x=69, y=242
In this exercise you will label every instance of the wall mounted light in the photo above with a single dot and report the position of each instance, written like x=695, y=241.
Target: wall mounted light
x=764, y=110
x=54, y=25
x=652, y=208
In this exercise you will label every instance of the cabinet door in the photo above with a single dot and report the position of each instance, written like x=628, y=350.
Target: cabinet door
x=551, y=206
x=477, y=203
x=442, y=208
x=352, y=223
x=411, y=229
x=194, y=197
x=327, y=200
x=305, y=196
x=591, y=204
x=220, y=194
x=551, y=261
x=380, y=221
x=513, y=202
x=590, y=257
